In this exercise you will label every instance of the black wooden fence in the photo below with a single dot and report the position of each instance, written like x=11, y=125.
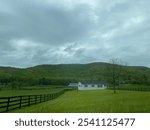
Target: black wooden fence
x=15, y=102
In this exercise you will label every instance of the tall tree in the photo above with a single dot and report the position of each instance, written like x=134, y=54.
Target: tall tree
x=115, y=69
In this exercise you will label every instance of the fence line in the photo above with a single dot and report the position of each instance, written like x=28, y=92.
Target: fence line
x=133, y=89
x=15, y=102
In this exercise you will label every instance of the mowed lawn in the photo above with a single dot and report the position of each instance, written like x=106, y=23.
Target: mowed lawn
x=94, y=101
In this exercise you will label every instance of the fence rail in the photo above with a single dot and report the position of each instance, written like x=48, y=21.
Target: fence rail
x=133, y=89
x=15, y=102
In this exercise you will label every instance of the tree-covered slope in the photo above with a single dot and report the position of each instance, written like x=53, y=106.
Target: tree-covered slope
x=64, y=73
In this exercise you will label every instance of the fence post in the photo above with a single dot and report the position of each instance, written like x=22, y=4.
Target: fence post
x=35, y=99
x=20, y=102
x=44, y=97
x=7, y=109
x=52, y=96
x=29, y=101
x=40, y=98
x=48, y=96
x=56, y=95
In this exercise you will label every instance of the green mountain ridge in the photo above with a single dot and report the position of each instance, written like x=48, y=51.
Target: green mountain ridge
x=65, y=73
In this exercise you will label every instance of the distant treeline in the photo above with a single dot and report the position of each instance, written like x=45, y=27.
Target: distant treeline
x=18, y=82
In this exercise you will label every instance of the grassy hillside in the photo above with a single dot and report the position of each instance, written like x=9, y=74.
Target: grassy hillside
x=64, y=73
x=95, y=101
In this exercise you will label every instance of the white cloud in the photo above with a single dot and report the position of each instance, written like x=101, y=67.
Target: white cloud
x=134, y=21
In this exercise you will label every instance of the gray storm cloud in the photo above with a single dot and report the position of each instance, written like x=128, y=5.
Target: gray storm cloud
x=66, y=31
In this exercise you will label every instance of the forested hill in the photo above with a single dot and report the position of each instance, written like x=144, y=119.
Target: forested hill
x=65, y=73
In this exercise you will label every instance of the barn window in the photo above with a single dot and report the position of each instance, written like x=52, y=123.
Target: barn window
x=92, y=85
x=85, y=85
x=100, y=85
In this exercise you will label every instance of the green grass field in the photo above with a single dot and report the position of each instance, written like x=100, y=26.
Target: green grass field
x=95, y=101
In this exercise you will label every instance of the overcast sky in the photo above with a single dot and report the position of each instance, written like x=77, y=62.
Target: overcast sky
x=36, y=32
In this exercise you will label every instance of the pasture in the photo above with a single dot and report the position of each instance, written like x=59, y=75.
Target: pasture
x=30, y=90
x=94, y=101
x=9, y=93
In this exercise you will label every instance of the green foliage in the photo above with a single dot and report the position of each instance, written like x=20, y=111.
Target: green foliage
x=64, y=73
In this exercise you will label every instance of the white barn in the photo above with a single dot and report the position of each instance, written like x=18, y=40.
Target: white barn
x=92, y=85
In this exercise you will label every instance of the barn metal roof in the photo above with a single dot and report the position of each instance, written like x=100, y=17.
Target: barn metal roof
x=93, y=82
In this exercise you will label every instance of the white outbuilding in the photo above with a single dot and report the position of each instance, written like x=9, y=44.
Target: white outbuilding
x=92, y=85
